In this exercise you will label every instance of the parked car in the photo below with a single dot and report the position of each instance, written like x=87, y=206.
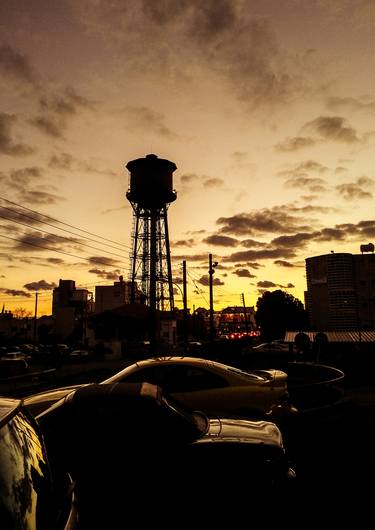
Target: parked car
x=214, y=387
x=133, y=450
x=37, y=403
x=32, y=495
x=12, y=364
x=272, y=347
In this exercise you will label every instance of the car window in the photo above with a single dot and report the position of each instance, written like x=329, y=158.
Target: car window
x=174, y=378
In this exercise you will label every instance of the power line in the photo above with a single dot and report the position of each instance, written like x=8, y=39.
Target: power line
x=63, y=237
x=61, y=222
x=91, y=260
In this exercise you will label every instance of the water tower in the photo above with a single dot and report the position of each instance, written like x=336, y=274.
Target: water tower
x=150, y=193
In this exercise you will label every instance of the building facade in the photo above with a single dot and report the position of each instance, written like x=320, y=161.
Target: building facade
x=109, y=297
x=70, y=308
x=341, y=291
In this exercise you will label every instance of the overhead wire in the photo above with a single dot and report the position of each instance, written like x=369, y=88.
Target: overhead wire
x=63, y=237
x=91, y=260
x=63, y=223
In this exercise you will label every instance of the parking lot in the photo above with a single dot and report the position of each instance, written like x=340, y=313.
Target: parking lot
x=331, y=447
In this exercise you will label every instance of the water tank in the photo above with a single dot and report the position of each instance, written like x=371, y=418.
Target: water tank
x=151, y=181
x=367, y=248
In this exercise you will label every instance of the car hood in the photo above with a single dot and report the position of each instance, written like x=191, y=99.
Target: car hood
x=244, y=431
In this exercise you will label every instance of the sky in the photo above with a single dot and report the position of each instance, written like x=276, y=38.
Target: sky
x=266, y=108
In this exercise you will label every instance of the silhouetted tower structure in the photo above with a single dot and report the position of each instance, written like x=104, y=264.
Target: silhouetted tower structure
x=150, y=193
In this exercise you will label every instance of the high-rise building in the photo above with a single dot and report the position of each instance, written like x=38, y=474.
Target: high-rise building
x=341, y=291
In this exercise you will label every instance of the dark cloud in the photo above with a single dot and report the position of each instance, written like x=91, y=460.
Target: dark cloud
x=14, y=292
x=184, y=243
x=261, y=254
x=251, y=243
x=107, y=275
x=314, y=185
x=67, y=162
x=228, y=40
x=55, y=261
x=279, y=219
x=8, y=146
x=218, y=240
x=266, y=284
x=213, y=183
x=204, y=280
x=148, y=121
x=51, y=125
x=333, y=128
x=283, y=263
x=41, y=285
x=360, y=189
x=110, y=262
x=23, y=177
x=16, y=66
x=303, y=169
x=190, y=257
x=295, y=144
x=244, y=273
x=189, y=178
x=56, y=111
x=39, y=197
x=293, y=241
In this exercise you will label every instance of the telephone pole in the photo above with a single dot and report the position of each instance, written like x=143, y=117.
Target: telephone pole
x=211, y=272
x=184, y=284
x=245, y=314
x=35, y=317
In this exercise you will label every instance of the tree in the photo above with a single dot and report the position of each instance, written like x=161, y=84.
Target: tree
x=278, y=311
x=21, y=312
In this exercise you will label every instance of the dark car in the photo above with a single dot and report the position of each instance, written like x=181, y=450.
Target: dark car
x=33, y=496
x=133, y=449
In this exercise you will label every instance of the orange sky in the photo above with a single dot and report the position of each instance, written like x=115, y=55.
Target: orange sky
x=266, y=107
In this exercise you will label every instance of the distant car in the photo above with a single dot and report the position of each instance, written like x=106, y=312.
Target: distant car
x=79, y=355
x=273, y=346
x=214, y=388
x=33, y=495
x=132, y=448
x=13, y=365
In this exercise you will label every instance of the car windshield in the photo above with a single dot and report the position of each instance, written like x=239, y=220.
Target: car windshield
x=25, y=487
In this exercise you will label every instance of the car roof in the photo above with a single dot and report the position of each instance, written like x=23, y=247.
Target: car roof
x=8, y=408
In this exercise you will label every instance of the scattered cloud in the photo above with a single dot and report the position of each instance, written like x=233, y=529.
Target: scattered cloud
x=244, y=273
x=360, y=189
x=333, y=128
x=16, y=66
x=266, y=284
x=41, y=285
x=283, y=263
x=57, y=110
x=9, y=146
x=349, y=104
x=15, y=292
x=295, y=144
x=148, y=121
x=218, y=240
x=39, y=197
x=184, y=243
x=107, y=275
x=204, y=280
x=213, y=183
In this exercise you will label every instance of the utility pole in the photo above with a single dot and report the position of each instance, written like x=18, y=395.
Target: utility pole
x=244, y=310
x=184, y=284
x=211, y=272
x=35, y=317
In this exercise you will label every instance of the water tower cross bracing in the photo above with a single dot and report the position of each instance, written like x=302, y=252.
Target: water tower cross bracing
x=150, y=194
